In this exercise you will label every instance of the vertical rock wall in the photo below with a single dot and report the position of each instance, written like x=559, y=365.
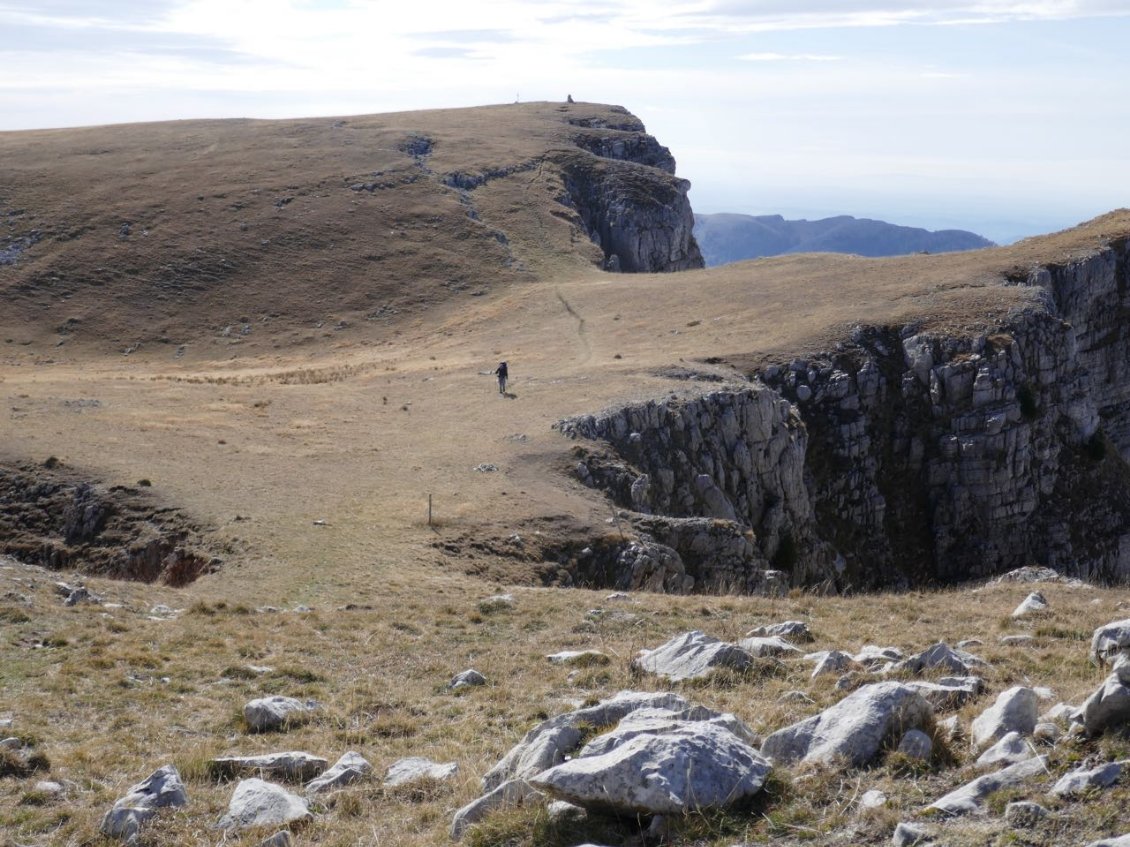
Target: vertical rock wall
x=909, y=457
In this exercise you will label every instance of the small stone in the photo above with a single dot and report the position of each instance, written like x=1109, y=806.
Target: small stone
x=916, y=744
x=872, y=799
x=795, y=697
x=259, y=803
x=466, y=679
x=908, y=835
x=416, y=768
x=583, y=658
x=1033, y=604
x=282, y=838
x=1012, y=748
x=1047, y=732
x=561, y=812
x=350, y=768
x=272, y=713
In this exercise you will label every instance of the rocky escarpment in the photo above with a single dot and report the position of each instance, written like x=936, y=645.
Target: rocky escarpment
x=905, y=456
x=623, y=188
x=50, y=517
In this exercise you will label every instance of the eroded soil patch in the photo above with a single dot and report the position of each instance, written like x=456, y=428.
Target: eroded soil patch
x=52, y=516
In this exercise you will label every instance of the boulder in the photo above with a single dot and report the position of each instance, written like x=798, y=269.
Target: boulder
x=854, y=730
x=1108, y=707
x=1083, y=779
x=350, y=768
x=161, y=789
x=971, y=796
x=466, y=679
x=833, y=661
x=258, y=803
x=770, y=645
x=796, y=631
x=941, y=655
x=272, y=713
x=1012, y=748
x=295, y=766
x=696, y=765
x=550, y=741
x=1033, y=604
x=1109, y=641
x=692, y=655
x=916, y=745
x=949, y=692
x=406, y=771
x=909, y=835
x=1015, y=710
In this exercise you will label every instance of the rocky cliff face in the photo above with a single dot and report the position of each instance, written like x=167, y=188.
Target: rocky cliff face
x=622, y=186
x=907, y=457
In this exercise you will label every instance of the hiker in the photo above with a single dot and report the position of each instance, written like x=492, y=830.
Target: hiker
x=502, y=374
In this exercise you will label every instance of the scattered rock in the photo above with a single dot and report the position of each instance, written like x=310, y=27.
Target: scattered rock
x=916, y=744
x=1108, y=707
x=795, y=697
x=1078, y=781
x=941, y=655
x=696, y=765
x=772, y=645
x=1024, y=815
x=466, y=679
x=416, y=768
x=282, y=838
x=275, y=713
x=855, y=729
x=549, y=742
x=1017, y=640
x=692, y=655
x=1121, y=841
x=350, y=768
x=909, y=835
x=1109, y=641
x=1014, y=711
x=1033, y=604
x=873, y=658
x=259, y=803
x=949, y=692
x=1047, y=732
x=971, y=796
x=796, y=631
x=161, y=789
x=295, y=766
x=561, y=812
x=834, y=661
x=1012, y=748
x=873, y=799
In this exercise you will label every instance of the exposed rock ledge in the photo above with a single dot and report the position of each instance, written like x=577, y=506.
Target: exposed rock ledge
x=906, y=457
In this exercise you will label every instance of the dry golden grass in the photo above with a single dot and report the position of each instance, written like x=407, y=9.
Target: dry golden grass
x=118, y=695
x=261, y=436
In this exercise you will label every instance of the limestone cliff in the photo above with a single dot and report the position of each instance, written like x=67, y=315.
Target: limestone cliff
x=621, y=183
x=908, y=457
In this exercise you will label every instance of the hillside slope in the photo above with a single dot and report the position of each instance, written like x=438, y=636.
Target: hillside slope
x=728, y=237
x=208, y=234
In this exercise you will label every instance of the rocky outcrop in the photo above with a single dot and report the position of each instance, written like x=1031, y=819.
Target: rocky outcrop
x=904, y=456
x=622, y=185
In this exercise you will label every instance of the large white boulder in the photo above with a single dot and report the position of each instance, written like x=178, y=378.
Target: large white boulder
x=854, y=730
x=971, y=796
x=1015, y=710
x=694, y=765
x=259, y=803
x=692, y=655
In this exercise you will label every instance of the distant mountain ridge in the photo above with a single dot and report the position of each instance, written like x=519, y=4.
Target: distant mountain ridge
x=726, y=237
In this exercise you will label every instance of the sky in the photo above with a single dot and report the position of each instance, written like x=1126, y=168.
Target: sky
x=1006, y=118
